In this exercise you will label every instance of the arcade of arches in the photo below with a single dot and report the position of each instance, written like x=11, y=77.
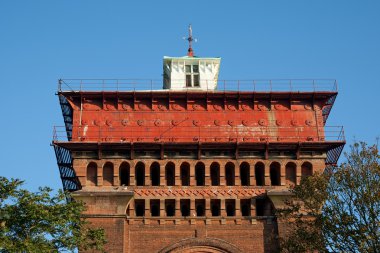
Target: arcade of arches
x=180, y=174
x=198, y=174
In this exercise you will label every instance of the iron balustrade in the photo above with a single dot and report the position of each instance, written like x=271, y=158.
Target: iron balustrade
x=259, y=85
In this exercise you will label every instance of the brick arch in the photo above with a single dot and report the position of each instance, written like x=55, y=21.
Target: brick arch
x=185, y=173
x=125, y=173
x=215, y=173
x=170, y=173
x=108, y=170
x=92, y=174
x=291, y=173
x=260, y=173
x=306, y=169
x=200, y=170
x=154, y=171
x=229, y=172
x=275, y=173
x=245, y=173
x=140, y=173
x=201, y=245
x=133, y=163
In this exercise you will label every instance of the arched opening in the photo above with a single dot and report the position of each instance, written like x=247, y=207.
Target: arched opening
x=260, y=174
x=155, y=174
x=275, y=174
x=124, y=174
x=215, y=173
x=155, y=207
x=230, y=207
x=170, y=174
x=185, y=207
x=170, y=207
x=215, y=207
x=139, y=207
x=306, y=169
x=245, y=174
x=200, y=174
x=245, y=207
x=92, y=174
x=230, y=174
x=200, y=207
x=198, y=244
x=140, y=174
x=290, y=173
x=185, y=174
x=108, y=174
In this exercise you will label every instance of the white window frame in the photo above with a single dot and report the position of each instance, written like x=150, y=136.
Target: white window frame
x=193, y=75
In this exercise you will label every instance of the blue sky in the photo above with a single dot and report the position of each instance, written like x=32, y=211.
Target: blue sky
x=42, y=41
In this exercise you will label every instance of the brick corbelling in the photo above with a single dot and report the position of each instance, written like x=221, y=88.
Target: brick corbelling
x=204, y=193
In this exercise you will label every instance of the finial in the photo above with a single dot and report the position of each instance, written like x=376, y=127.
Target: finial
x=190, y=39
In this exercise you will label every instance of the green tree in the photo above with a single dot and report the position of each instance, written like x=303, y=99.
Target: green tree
x=43, y=222
x=339, y=210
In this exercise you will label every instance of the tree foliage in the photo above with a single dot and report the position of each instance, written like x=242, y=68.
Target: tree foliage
x=339, y=210
x=43, y=222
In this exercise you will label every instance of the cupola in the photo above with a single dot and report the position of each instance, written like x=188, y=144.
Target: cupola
x=191, y=72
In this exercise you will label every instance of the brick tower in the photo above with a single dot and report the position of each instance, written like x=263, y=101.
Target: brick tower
x=198, y=166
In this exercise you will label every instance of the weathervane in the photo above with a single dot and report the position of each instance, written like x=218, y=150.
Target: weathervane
x=190, y=39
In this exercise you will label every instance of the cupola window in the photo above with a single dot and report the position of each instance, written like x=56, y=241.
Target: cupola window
x=192, y=75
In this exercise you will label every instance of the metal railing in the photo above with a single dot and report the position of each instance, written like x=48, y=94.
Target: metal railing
x=260, y=85
x=200, y=134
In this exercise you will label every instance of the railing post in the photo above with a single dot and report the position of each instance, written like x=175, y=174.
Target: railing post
x=290, y=83
x=341, y=134
x=314, y=85
x=254, y=85
x=54, y=134
x=117, y=84
x=344, y=137
x=270, y=85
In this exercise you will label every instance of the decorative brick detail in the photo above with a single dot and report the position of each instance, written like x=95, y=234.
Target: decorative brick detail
x=204, y=193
